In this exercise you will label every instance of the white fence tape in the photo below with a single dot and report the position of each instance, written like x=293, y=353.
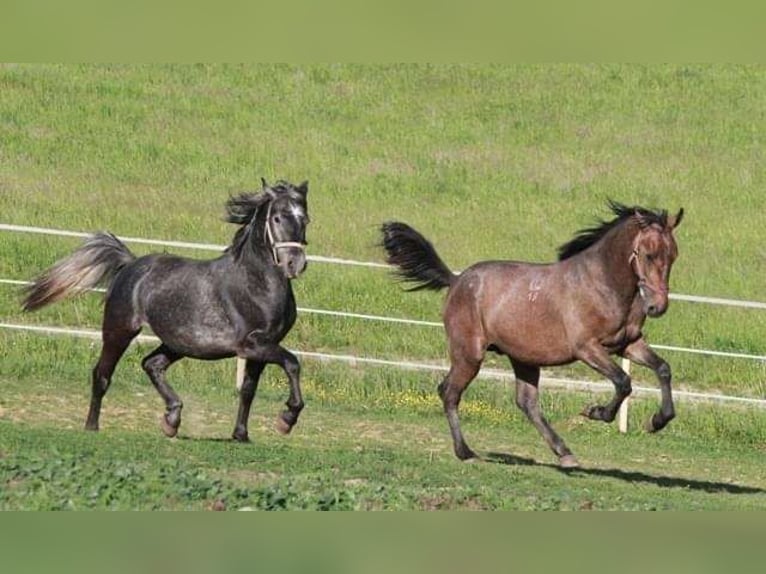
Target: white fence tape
x=323, y=259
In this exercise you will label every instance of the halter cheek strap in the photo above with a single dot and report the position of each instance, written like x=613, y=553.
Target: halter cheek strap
x=641, y=281
x=642, y=284
x=275, y=245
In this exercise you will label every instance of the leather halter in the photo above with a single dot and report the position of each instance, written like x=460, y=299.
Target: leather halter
x=641, y=280
x=642, y=283
x=275, y=245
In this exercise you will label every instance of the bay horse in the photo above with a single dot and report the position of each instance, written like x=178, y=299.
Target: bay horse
x=590, y=304
x=239, y=304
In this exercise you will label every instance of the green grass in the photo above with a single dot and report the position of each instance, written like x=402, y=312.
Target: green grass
x=369, y=439
x=488, y=162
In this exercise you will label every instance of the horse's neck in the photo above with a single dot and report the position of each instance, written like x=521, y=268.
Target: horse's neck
x=257, y=260
x=612, y=258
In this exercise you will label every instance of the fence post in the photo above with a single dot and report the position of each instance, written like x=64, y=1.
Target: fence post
x=622, y=414
x=240, y=372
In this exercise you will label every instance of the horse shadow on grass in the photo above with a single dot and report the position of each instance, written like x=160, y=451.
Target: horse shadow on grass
x=628, y=476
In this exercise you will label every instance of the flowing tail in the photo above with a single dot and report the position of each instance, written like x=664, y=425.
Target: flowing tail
x=414, y=257
x=99, y=259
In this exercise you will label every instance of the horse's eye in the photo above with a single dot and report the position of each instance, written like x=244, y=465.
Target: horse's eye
x=650, y=257
x=277, y=219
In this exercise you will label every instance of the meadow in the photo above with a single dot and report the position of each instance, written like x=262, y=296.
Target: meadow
x=488, y=162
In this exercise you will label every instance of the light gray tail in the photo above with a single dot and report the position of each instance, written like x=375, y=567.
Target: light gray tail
x=98, y=260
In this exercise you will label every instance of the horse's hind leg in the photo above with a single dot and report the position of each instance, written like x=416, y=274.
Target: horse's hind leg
x=527, y=380
x=253, y=370
x=155, y=364
x=114, y=344
x=461, y=373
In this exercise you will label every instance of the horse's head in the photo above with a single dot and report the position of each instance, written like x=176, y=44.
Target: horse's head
x=275, y=220
x=654, y=252
x=285, y=225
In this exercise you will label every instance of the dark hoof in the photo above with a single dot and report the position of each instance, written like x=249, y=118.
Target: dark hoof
x=283, y=427
x=466, y=454
x=167, y=429
x=569, y=461
x=656, y=423
x=91, y=427
x=240, y=436
x=595, y=413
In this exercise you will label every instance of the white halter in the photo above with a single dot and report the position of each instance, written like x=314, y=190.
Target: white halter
x=278, y=244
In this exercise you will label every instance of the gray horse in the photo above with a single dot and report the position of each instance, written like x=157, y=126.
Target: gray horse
x=240, y=304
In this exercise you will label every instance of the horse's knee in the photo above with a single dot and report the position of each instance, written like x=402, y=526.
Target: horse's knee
x=663, y=372
x=293, y=368
x=150, y=365
x=623, y=384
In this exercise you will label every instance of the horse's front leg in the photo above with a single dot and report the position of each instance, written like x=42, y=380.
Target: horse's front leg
x=253, y=370
x=640, y=352
x=256, y=349
x=596, y=357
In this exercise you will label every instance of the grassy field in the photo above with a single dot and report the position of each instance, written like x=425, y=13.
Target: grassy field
x=488, y=162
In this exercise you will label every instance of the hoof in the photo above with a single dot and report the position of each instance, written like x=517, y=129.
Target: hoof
x=466, y=455
x=240, y=437
x=653, y=426
x=92, y=428
x=167, y=429
x=283, y=427
x=595, y=413
x=569, y=461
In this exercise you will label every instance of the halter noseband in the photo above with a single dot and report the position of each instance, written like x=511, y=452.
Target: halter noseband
x=278, y=244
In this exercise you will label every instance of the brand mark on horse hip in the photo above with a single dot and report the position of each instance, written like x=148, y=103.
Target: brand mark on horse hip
x=535, y=285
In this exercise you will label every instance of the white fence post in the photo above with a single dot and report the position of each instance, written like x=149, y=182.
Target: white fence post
x=622, y=414
x=240, y=372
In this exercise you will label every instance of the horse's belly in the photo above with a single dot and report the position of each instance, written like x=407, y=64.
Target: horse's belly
x=197, y=341
x=536, y=350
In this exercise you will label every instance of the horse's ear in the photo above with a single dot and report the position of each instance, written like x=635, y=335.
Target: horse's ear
x=640, y=218
x=303, y=188
x=267, y=190
x=675, y=221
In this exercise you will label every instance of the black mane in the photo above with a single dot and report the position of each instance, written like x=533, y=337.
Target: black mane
x=590, y=235
x=242, y=210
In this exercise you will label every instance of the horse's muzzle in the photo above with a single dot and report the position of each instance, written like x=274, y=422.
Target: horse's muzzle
x=655, y=299
x=653, y=310
x=292, y=260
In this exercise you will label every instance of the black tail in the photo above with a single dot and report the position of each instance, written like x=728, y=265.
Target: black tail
x=98, y=259
x=414, y=257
